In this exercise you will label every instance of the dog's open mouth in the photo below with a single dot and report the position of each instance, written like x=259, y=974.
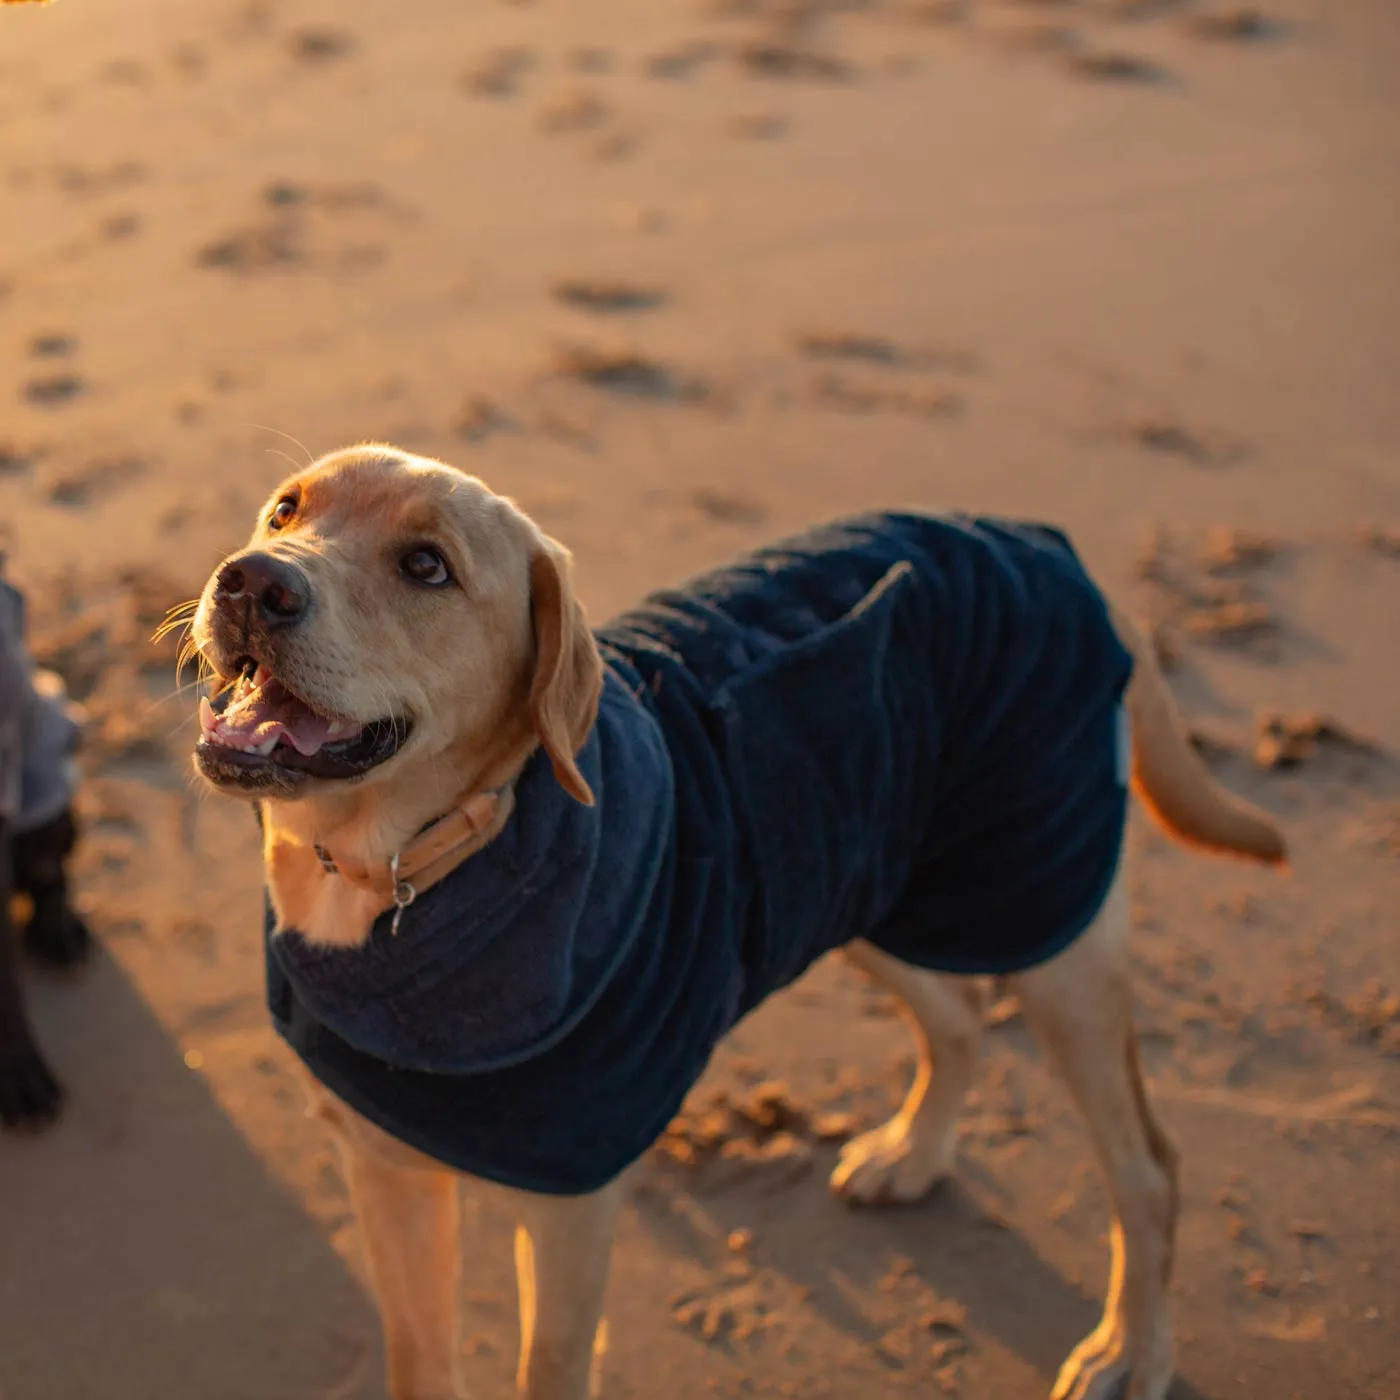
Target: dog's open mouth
x=257, y=732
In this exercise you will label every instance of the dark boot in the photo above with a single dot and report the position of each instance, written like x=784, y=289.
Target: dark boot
x=29, y=1094
x=55, y=935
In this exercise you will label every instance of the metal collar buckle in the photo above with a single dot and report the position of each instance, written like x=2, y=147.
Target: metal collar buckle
x=404, y=893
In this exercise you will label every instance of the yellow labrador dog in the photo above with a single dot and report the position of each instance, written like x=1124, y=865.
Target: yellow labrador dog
x=522, y=876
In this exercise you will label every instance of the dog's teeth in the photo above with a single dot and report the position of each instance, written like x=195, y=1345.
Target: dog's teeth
x=340, y=729
x=261, y=676
x=267, y=745
x=207, y=719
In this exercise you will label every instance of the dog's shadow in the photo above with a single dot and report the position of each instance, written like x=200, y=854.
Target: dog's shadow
x=1009, y=1292
x=144, y=1248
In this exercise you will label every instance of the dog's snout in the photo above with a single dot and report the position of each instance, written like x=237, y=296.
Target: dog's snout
x=278, y=590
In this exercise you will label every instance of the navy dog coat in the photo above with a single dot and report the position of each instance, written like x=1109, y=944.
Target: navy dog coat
x=900, y=728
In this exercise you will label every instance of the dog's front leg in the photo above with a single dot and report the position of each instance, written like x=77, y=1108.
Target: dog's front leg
x=562, y=1249
x=409, y=1218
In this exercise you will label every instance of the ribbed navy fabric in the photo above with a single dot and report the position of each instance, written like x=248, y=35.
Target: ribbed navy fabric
x=901, y=728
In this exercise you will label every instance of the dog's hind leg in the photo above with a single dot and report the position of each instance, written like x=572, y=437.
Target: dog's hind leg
x=902, y=1159
x=409, y=1219
x=1080, y=1004
x=563, y=1245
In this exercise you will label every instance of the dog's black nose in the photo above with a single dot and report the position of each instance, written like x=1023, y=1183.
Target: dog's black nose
x=278, y=590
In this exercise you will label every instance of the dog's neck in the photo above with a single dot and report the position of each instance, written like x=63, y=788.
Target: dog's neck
x=443, y=842
x=334, y=864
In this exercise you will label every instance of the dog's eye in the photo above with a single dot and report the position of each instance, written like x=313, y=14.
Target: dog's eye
x=283, y=513
x=423, y=564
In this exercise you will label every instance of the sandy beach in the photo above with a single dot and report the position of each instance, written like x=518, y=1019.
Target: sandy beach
x=679, y=278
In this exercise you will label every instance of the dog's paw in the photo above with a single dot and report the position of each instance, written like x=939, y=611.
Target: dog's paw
x=891, y=1164
x=1102, y=1367
x=30, y=1096
x=57, y=938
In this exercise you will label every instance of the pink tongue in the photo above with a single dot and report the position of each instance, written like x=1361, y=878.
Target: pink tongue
x=270, y=712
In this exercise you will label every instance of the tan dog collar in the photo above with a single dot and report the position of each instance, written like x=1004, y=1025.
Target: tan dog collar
x=457, y=833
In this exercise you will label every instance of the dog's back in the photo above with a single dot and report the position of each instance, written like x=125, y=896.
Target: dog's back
x=920, y=730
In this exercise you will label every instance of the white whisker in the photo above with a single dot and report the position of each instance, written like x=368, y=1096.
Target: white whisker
x=296, y=442
x=277, y=452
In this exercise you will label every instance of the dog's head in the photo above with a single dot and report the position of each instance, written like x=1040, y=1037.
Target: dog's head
x=391, y=615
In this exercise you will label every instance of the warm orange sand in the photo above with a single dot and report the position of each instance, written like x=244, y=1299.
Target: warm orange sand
x=912, y=253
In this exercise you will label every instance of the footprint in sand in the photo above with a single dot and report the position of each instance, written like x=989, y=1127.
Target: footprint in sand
x=846, y=395
x=54, y=390
x=189, y=61
x=93, y=480
x=602, y=295
x=1283, y=743
x=318, y=45
x=257, y=249
x=728, y=507
x=781, y=59
x=682, y=61
x=1309, y=1325
x=1213, y=595
x=1172, y=439
x=479, y=418
x=835, y=344
x=16, y=460
x=50, y=345
x=1115, y=66
x=1383, y=539
x=684, y=512
x=582, y=111
x=1228, y=550
x=849, y=345
x=625, y=371
x=567, y=429
x=116, y=228
x=294, y=232
x=1230, y=25
x=1289, y=740
x=499, y=73
x=96, y=180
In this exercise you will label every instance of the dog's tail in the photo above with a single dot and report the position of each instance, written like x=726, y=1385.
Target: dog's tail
x=1171, y=780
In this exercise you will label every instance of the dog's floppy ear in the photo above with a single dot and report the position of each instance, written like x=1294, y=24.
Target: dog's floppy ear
x=568, y=675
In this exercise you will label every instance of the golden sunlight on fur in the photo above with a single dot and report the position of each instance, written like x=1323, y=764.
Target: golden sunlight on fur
x=483, y=671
